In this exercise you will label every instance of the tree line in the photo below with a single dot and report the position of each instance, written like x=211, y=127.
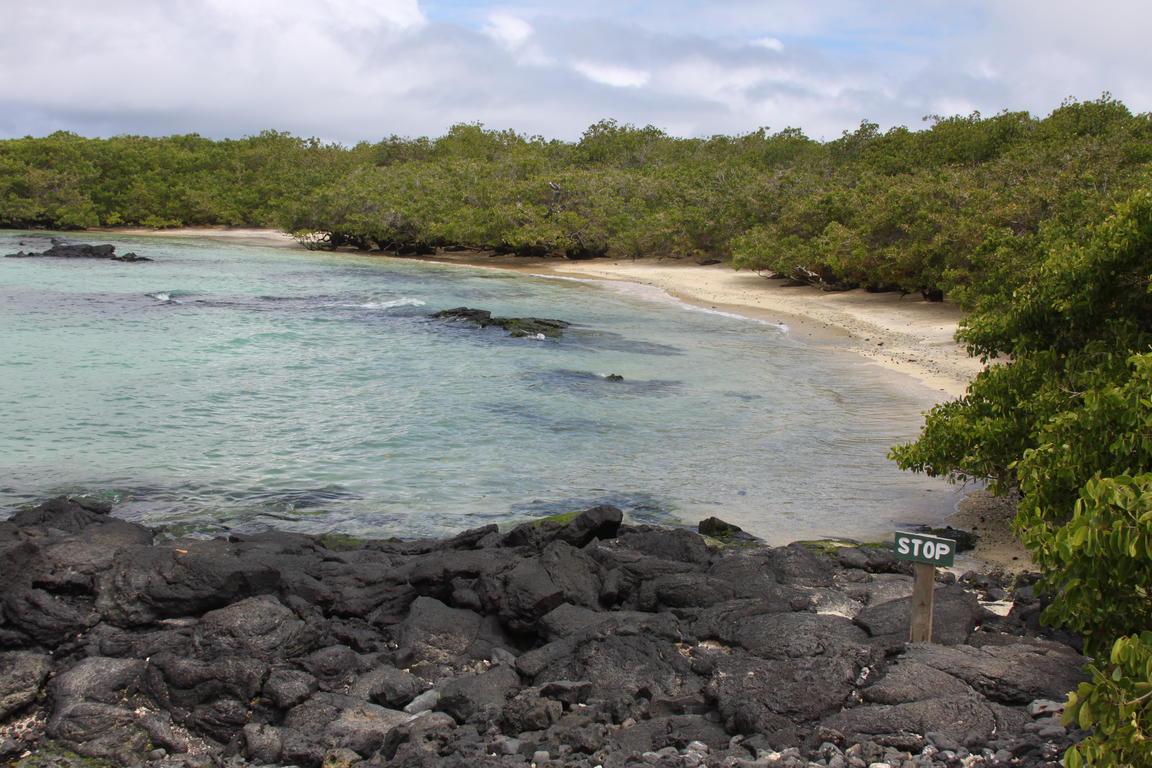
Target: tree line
x=913, y=211
x=1041, y=228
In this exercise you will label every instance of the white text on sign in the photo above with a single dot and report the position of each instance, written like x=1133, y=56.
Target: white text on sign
x=922, y=548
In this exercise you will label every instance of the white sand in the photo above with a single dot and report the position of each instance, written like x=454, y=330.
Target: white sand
x=244, y=235
x=908, y=335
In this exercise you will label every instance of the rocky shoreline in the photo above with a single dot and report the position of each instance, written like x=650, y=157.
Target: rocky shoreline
x=583, y=642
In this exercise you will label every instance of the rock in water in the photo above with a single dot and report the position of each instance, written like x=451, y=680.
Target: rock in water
x=516, y=326
x=724, y=531
x=61, y=250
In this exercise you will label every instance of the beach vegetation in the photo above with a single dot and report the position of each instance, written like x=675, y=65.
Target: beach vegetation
x=1063, y=413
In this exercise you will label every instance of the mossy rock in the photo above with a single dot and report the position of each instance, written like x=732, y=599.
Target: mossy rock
x=516, y=326
x=726, y=534
x=339, y=541
x=52, y=755
x=728, y=543
x=531, y=326
x=561, y=519
x=829, y=546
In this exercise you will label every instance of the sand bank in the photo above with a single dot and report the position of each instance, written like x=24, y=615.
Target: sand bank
x=243, y=235
x=906, y=335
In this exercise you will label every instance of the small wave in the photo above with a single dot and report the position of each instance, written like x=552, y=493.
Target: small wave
x=164, y=297
x=782, y=327
x=404, y=302
x=655, y=293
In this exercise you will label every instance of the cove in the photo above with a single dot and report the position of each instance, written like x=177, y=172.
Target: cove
x=236, y=387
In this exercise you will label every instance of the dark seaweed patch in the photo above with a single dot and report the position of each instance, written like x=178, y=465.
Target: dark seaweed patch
x=745, y=396
x=588, y=383
x=614, y=342
x=535, y=418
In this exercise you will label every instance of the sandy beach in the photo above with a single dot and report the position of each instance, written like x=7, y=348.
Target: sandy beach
x=906, y=335
x=244, y=235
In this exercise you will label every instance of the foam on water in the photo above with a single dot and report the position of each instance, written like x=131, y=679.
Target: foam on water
x=313, y=392
x=659, y=294
x=390, y=304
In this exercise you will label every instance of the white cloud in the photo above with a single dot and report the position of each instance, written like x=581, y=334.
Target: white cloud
x=341, y=14
x=510, y=31
x=362, y=69
x=711, y=80
x=612, y=74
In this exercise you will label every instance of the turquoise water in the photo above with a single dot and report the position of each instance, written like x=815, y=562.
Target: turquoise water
x=238, y=387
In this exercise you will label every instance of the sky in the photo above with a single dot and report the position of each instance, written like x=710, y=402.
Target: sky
x=362, y=70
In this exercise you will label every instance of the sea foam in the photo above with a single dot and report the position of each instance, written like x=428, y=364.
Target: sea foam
x=392, y=304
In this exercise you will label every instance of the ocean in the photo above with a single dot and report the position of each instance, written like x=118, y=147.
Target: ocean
x=228, y=387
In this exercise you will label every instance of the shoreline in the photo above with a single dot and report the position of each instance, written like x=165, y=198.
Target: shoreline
x=244, y=235
x=905, y=335
x=581, y=641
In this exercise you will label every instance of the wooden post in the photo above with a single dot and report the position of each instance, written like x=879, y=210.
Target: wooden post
x=926, y=552
x=923, y=596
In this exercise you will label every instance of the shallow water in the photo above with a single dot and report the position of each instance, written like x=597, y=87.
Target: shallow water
x=238, y=387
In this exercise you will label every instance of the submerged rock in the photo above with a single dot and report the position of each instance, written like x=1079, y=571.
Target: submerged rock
x=580, y=641
x=516, y=326
x=715, y=528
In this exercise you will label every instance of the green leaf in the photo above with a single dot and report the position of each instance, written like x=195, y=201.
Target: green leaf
x=1084, y=716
